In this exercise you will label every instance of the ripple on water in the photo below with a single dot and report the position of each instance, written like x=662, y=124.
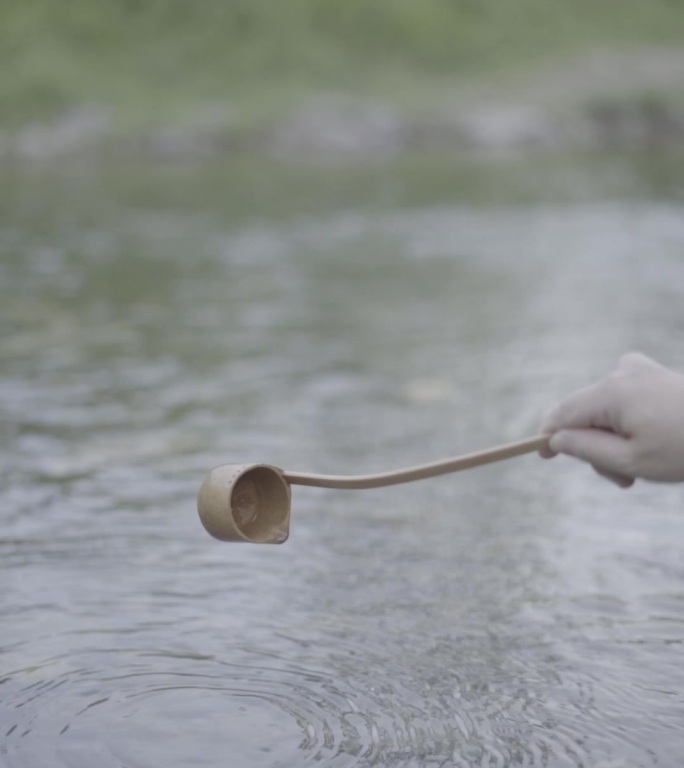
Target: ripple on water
x=148, y=713
x=150, y=709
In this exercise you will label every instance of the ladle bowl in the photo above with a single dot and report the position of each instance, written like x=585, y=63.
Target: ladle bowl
x=251, y=502
x=246, y=502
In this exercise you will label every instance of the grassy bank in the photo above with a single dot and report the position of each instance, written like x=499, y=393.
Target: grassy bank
x=156, y=60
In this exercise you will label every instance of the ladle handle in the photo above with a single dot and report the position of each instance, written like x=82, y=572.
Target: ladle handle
x=422, y=471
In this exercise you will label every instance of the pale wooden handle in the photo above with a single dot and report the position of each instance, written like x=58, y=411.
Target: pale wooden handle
x=422, y=471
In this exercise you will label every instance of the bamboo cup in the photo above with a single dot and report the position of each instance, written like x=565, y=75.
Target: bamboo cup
x=251, y=502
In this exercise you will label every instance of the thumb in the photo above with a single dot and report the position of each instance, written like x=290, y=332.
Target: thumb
x=606, y=451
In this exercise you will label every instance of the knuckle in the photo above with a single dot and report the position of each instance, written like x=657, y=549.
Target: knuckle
x=636, y=363
x=630, y=359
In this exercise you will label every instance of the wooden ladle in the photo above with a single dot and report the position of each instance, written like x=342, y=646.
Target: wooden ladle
x=251, y=502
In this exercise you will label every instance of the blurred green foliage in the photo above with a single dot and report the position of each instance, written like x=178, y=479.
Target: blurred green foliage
x=150, y=55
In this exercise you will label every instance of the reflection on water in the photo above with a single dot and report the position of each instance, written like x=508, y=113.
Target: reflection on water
x=519, y=614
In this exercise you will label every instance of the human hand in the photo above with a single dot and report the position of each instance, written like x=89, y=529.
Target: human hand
x=629, y=425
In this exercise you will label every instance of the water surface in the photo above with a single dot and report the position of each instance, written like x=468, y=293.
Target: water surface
x=159, y=321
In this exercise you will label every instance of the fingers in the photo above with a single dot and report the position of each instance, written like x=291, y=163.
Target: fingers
x=619, y=479
x=545, y=451
x=584, y=445
x=622, y=481
x=599, y=405
x=589, y=407
x=615, y=424
x=608, y=453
